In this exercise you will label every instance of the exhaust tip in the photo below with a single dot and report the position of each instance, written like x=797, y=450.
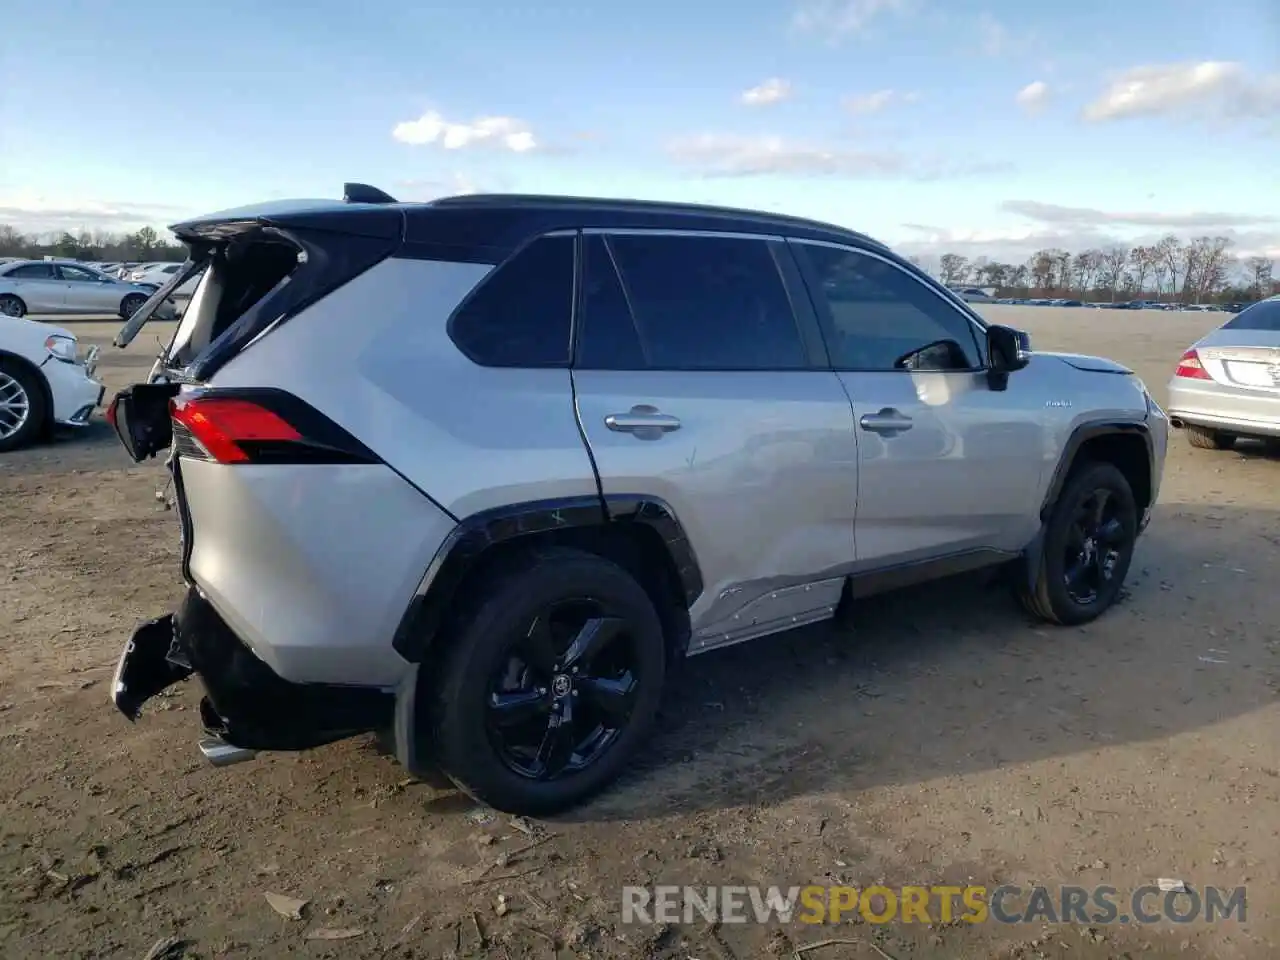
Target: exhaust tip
x=222, y=754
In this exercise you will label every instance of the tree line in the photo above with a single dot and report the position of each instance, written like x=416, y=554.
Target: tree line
x=1200, y=270
x=144, y=246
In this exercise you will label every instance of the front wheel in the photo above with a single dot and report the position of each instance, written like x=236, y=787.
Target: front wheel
x=131, y=304
x=22, y=406
x=11, y=306
x=1088, y=545
x=551, y=677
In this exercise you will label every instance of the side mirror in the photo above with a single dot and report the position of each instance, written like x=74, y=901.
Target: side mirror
x=1007, y=350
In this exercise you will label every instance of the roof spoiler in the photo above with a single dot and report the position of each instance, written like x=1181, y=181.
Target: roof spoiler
x=363, y=193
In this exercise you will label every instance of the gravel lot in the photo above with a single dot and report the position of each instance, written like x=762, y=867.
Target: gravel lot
x=946, y=739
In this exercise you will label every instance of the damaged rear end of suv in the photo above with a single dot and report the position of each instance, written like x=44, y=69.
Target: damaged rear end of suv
x=292, y=530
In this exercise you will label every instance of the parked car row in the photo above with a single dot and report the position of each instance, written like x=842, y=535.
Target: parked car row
x=1123, y=305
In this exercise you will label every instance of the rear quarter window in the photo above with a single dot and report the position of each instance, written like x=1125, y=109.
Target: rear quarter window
x=520, y=315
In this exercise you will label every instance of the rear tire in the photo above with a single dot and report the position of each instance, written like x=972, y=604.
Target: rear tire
x=11, y=306
x=508, y=724
x=1205, y=438
x=1087, y=548
x=130, y=305
x=22, y=406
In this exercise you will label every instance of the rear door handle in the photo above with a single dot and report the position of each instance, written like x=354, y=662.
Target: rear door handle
x=887, y=421
x=642, y=420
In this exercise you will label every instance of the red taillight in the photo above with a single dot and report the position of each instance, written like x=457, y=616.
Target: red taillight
x=1191, y=367
x=224, y=425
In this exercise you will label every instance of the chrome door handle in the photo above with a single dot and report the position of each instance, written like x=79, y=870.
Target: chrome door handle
x=642, y=419
x=886, y=421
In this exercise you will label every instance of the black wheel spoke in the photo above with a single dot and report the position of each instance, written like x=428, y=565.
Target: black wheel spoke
x=539, y=648
x=516, y=707
x=1100, y=500
x=1111, y=532
x=595, y=635
x=613, y=697
x=558, y=743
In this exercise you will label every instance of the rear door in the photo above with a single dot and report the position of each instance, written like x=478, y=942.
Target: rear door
x=39, y=287
x=699, y=380
x=946, y=464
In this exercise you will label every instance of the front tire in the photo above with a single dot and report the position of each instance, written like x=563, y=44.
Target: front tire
x=551, y=676
x=1205, y=438
x=22, y=406
x=11, y=306
x=131, y=304
x=1088, y=546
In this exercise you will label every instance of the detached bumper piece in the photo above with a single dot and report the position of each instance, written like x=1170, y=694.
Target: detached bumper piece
x=247, y=706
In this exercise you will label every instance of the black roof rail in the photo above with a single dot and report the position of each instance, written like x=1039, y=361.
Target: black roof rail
x=363, y=193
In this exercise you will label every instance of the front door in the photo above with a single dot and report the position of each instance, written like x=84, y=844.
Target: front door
x=88, y=292
x=696, y=384
x=946, y=465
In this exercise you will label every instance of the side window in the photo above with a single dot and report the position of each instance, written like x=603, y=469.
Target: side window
x=76, y=274
x=31, y=271
x=878, y=317
x=520, y=314
x=694, y=303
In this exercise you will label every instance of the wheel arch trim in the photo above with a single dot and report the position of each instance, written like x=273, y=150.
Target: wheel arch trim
x=1082, y=434
x=475, y=535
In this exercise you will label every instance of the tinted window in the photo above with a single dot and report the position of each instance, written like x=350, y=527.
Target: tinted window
x=1264, y=315
x=519, y=316
x=688, y=303
x=876, y=315
x=32, y=271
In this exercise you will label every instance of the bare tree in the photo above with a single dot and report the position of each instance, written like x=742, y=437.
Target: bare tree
x=1041, y=267
x=955, y=268
x=1169, y=254
x=1111, y=266
x=1261, y=270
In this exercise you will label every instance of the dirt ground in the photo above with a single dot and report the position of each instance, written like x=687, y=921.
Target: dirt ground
x=944, y=739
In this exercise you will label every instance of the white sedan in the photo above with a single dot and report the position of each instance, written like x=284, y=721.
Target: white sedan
x=45, y=381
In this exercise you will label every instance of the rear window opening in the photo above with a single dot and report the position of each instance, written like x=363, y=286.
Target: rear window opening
x=239, y=277
x=254, y=278
x=1263, y=315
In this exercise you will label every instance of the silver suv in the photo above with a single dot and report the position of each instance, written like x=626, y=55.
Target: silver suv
x=477, y=474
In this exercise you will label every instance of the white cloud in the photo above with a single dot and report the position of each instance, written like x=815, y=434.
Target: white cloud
x=1212, y=89
x=455, y=184
x=837, y=19
x=1032, y=97
x=1082, y=228
x=505, y=133
x=727, y=155
x=1092, y=217
x=877, y=101
x=773, y=90
x=30, y=212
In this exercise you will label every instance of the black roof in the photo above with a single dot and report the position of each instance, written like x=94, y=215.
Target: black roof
x=487, y=227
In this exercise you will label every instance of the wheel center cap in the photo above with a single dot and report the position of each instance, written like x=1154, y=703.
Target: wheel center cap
x=561, y=686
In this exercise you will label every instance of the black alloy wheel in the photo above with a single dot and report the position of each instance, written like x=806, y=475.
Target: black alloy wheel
x=564, y=692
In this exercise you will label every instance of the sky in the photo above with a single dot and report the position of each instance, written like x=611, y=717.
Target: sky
x=981, y=127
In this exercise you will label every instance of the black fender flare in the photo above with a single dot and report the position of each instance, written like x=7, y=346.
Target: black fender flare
x=480, y=532
x=1079, y=436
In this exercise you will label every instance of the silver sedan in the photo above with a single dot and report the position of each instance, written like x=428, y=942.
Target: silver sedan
x=51, y=286
x=1227, y=385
